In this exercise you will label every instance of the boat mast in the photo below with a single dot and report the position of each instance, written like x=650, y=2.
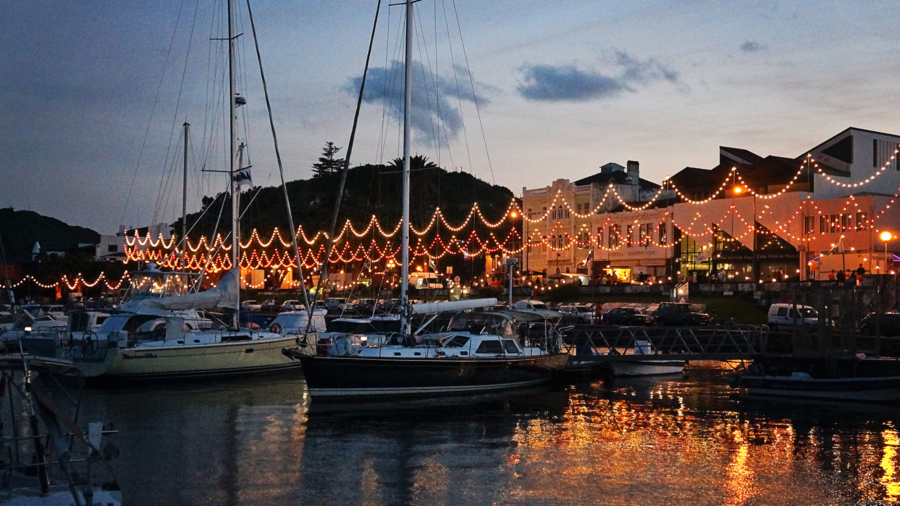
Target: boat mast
x=187, y=127
x=407, y=106
x=235, y=185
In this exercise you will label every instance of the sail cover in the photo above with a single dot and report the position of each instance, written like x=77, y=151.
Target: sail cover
x=224, y=295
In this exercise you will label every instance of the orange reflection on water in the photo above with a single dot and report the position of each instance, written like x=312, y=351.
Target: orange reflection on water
x=739, y=486
x=889, y=479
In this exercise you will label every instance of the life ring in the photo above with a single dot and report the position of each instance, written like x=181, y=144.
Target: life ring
x=276, y=328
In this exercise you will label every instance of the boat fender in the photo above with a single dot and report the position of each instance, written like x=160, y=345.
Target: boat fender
x=276, y=328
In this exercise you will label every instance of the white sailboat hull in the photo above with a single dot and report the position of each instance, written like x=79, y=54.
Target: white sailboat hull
x=220, y=359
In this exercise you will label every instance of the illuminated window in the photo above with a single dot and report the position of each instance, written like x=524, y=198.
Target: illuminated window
x=862, y=221
x=809, y=224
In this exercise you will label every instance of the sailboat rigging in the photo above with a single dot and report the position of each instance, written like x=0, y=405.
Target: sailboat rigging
x=154, y=336
x=479, y=353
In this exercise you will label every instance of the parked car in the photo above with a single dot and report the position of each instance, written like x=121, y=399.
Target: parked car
x=784, y=315
x=628, y=316
x=586, y=311
x=679, y=313
x=251, y=305
x=570, y=314
x=335, y=304
x=576, y=313
x=269, y=305
x=531, y=304
x=888, y=324
x=292, y=305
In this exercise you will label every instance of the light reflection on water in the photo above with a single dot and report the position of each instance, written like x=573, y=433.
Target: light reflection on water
x=669, y=440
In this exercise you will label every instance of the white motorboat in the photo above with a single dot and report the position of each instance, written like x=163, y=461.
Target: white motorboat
x=646, y=366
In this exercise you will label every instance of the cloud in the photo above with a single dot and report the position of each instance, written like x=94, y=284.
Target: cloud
x=751, y=46
x=567, y=83
x=436, y=100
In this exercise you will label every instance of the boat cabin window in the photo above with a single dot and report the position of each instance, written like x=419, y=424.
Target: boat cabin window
x=128, y=323
x=78, y=322
x=511, y=347
x=481, y=323
x=491, y=346
x=457, y=342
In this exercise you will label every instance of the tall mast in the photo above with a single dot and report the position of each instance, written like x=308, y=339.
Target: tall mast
x=187, y=127
x=233, y=168
x=407, y=105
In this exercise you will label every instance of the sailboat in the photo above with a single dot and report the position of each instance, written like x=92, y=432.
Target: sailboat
x=480, y=353
x=155, y=335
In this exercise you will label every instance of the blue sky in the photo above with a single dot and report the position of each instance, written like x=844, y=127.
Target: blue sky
x=562, y=87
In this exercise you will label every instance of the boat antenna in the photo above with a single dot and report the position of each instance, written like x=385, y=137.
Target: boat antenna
x=287, y=201
x=407, y=116
x=340, y=191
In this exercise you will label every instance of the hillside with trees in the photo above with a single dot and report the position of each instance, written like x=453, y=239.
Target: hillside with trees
x=370, y=190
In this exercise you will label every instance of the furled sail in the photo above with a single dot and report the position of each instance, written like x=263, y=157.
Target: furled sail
x=224, y=295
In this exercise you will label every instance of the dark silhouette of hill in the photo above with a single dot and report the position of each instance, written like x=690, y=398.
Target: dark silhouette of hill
x=370, y=190
x=19, y=230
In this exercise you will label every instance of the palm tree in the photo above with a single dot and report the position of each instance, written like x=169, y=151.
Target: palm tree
x=416, y=162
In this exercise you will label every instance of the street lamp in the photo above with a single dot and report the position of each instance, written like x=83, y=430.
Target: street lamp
x=885, y=237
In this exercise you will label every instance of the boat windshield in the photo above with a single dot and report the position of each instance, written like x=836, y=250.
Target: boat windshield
x=808, y=312
x=147, y=284
x=481, y=323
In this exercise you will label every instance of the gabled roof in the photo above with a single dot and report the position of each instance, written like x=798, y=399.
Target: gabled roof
x=772, y=170
x=689, y=177
x=737, y=156
x=617, y=177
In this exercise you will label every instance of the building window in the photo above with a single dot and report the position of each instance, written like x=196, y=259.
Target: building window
x=112, y=248
x=544, y=213
x=874, y=152
x=835, y=224
x=544, y=244
x=809, y=224
x=629, y=235
x=823, y=224
x=862, y=221
x=662, y=234
x=846, y=226
x=566, y=211
x=646, y=234
x=613, y=236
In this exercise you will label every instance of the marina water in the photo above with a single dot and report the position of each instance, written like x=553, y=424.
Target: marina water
x=667, y=440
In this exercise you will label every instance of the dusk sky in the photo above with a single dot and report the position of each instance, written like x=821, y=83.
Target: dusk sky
x=562, y=88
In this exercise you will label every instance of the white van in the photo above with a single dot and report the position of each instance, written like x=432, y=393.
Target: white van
x=784, y=314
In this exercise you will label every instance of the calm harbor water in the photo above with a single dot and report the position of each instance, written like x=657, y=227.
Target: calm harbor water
x=673, y=440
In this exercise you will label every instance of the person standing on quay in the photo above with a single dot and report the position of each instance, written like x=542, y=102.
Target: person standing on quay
x=861, y=271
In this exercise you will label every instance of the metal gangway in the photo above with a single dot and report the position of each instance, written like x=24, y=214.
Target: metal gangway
x=593, y=343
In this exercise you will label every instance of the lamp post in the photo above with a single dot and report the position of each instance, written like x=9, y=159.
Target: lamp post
x=885, y=237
